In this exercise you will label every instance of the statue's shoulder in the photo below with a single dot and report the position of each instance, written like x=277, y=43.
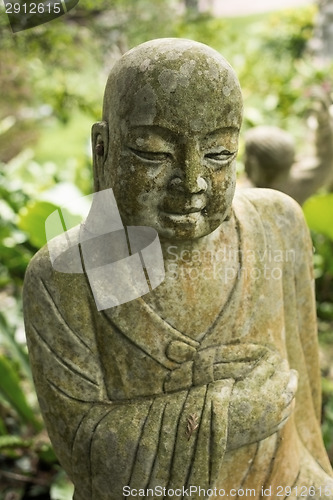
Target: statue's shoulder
x=271, y=204
x=271, y=199
x=55, y=286
x=58, y=253
x=275, y=214
x=39, y=267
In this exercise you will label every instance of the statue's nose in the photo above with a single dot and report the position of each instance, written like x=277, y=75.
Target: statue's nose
x=190, y=178
x=194, y=181
x=191, y=185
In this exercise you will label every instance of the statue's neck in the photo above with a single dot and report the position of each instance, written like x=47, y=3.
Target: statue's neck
x=172, y=247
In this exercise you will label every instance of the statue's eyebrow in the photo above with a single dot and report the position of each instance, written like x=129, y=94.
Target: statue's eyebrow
x=222, y=130
x=171, y=135
x=163, y=132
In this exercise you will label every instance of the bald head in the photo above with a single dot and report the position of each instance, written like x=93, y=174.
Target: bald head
x=171, y=82
x=269, y=152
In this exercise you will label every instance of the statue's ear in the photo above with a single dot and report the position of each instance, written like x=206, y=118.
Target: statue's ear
x=100, y=148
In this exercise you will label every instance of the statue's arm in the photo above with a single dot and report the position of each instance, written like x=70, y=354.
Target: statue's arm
x=286, y=231
x=284, y=218
x=64, y=358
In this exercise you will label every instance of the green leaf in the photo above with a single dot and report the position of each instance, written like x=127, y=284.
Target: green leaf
x=12, y=392
x=14, y=442
x=318, y=211
x=32, y=220
x=46, y=454
x=3, y=430
x=16, y=350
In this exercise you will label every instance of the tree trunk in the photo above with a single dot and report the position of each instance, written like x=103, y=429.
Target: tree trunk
x=322, y=44
x=192, y=5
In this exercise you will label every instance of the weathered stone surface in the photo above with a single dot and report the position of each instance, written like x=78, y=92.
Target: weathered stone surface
x=212, y=379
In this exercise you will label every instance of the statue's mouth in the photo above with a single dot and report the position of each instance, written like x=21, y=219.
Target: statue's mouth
x=182, y=206
x=189, y=216
x=185, y=211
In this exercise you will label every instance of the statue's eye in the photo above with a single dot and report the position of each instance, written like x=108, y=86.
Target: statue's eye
x=153, y=156
x=222, y=156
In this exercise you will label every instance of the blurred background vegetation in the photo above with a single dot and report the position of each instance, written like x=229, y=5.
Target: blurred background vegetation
x=52, y=80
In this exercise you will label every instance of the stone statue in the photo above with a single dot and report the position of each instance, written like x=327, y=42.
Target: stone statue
x=209, y=384
x=270, y=157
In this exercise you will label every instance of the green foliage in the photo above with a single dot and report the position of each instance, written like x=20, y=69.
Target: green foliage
x=23, y=448
x=318, y=212
x=11, y=391
x=327, y=390
x=14, y=442
x=205, y=29
x=323, y=264
x=289, y=32
x=32, y=220
x=327, y=403
x=15, y=255
x=8, y=341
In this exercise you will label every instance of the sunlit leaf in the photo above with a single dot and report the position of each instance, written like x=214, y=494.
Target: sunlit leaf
x=318, y=212
x=8, y=441
x=32, y=220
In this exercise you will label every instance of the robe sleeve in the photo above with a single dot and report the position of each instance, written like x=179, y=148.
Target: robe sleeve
x=285, y=227
x=105, y=445
x=64, y=358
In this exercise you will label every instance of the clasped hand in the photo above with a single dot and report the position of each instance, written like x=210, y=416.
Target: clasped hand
x=263, y=398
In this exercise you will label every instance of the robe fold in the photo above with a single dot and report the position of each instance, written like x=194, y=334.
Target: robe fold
x=129, y=400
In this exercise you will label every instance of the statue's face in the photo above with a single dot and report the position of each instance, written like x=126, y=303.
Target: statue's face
x=173, y=146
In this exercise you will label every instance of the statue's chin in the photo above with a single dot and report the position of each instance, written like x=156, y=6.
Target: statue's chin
x=184, y=228
x=179, y=226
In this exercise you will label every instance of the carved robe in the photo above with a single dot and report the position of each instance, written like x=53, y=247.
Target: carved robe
x=128, y=400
